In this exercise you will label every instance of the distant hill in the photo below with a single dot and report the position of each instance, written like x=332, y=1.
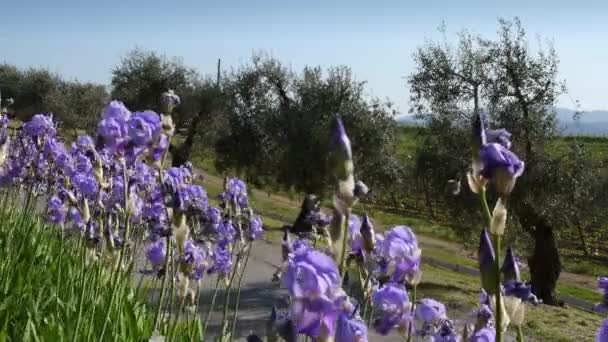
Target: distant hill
x=593, y=122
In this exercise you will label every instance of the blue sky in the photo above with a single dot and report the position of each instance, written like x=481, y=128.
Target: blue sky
x=85, y=39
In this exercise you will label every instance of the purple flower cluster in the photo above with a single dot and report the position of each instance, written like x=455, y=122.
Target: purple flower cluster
x=398, y=254
x=602, y=284
x=393, y=306
x=496, y=161
x=106, y=187
x=602, y=333
x=319, y=307
x=235, y=193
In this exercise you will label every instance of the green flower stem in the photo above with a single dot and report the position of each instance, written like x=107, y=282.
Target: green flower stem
x=497, y=247
x=172, y=289
x=520, y=334
x=485, y=207
x=409, y=330
x=344, y=243
x=114, y=278
x=191, y=324
x=366, y=297
x=164, y=284
x=127, y=217
x=227, y=295
x=213, y=298
x=238, y=293
x=98, y=272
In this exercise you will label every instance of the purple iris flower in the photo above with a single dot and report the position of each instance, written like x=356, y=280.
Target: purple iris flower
x=154, y=210
x=57, y=211
x=392, y=305
x=501, y=166
x=74, y=217
x=84, y=143
x=256, y=227
x=235, y=192
x=82, y=163
x=156, y=253
x=113, y=128
x=312, y=280
x=194, y=198
x=143, y=176
x=484, y=314
x=85, y=184
x=602, y=283
x=214, y=215
x=117, y=193
x=112, y=133
x=341, y=141
x=602, y=333
x=350, y=329
x=40, y=125
x=226, y=232
x=176, y=176
x=55, y=150
x=520, y=290
x=310, y=273
x=117, y=110
x=236, y=187
x=430, y=310
x=310, y=315
x=509, y=268
x=222, y=261
x=399, y=252
x=496, y=157
x=484, y=335
x=144, y=128
x=195, y=258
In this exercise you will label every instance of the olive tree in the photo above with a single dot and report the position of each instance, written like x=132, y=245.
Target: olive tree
x=519, y=87
x=284, y=120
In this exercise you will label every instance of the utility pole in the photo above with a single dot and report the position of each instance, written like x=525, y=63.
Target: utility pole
x=217, y=82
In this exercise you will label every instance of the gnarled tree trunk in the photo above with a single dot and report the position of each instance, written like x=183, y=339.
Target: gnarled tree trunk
x=545, y=264
x=181, y=153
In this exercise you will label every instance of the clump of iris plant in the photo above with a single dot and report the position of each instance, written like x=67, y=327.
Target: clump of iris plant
x=494, y=163
x=104, y=188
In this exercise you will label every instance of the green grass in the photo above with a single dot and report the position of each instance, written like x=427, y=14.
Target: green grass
x=581, y=266
x=408, y=138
